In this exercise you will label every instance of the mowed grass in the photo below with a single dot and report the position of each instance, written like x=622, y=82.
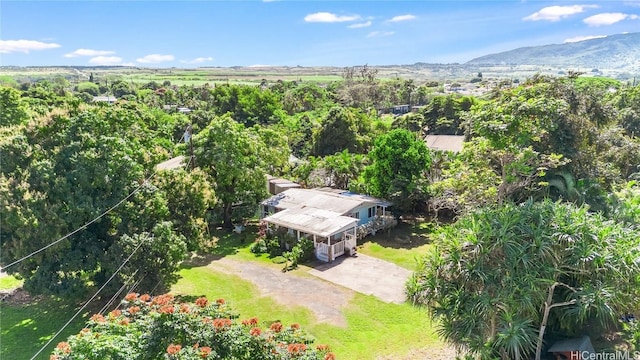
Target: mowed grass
x=25, y=328
x=8, y=282
x=374, y=328
x=401, y=245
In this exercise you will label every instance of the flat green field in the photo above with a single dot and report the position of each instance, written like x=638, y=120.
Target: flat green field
x=374, y=329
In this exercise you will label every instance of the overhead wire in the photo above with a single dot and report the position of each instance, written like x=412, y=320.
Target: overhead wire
x=89, y=301
x=113, y=298
x=80, y=228
x=142, y=184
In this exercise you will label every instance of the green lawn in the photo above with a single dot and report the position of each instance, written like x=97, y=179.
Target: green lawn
x=9, y=282
x=401, y=245
x=373, y=327
x=24, y=329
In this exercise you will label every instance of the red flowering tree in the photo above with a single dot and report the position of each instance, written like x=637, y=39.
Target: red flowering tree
x=164, y=328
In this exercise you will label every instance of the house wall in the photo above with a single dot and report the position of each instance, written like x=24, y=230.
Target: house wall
x=363, y=214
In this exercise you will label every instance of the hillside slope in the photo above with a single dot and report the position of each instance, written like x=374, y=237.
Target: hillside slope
x=620, y=51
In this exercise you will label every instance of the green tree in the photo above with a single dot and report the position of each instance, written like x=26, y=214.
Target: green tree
x=338, y=131
x=501, y=281
x=189, y=195
x=248, y=105
x=343, y=168
x=399, y=162
x=235, y=160
x=89, y=88
x=13, y=110
x=66, y=170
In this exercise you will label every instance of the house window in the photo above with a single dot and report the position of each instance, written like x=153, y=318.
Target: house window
x=372, y=212
x=355, y=215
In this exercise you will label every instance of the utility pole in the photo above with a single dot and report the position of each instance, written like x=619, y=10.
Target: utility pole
x=192, y=159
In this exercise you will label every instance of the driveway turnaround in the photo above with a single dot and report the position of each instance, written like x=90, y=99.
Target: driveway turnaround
x=367, y=275
x=323, y=298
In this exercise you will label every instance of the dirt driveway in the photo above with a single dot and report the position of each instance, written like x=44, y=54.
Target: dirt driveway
x=323, y=298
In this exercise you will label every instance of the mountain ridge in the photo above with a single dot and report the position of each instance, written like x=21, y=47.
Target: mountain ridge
x=618, y=51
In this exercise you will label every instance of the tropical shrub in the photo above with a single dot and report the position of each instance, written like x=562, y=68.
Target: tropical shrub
x=164, y=328
x=300, y=252
x=502, y=280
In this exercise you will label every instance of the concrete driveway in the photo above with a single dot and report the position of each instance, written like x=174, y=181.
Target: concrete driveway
x=366, y=275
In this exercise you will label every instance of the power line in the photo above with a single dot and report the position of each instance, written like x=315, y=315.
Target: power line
x=2, y=268
x=82, y=227
x=113, y=298
x=91, y=299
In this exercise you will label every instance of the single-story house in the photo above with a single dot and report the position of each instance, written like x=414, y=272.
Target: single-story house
x=108, y=99
x=445, y=142
x=333, y=218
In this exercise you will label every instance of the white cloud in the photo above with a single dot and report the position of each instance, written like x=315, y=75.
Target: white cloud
x=88, y=52
x=24, y=46
x=326, y=17
x=155, y=58
x=402, y=18
x=556, y=13
x=583, y=38
x=608, y=18
x=360, y=25
x=105, y=60
x=198, y=60
x=380, y=33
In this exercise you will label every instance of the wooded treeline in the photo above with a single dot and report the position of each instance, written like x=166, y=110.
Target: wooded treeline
x=565, y=148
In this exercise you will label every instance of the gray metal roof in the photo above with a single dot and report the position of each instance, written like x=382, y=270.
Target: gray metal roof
x=329, y=201
x=445, y=142
x=320, y=222
x=172, y=164
x=580, y=344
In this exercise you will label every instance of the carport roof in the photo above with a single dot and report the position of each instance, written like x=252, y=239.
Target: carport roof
x=315, y=221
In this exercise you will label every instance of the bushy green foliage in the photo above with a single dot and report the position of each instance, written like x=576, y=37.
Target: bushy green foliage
x=338, y=131
x=236, y=160
x=165, y=328
x=62, y=172
x=444, y=114
x=189, y=195
x=259, y=246
x=626, y=204
x=89, y=88
x=248, y=105
x=631, y=334
x=399, y=161
x=489, y=275
x=300, y=252
x=12, y=108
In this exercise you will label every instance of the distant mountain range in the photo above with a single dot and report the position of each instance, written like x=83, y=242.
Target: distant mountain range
x=611, y=52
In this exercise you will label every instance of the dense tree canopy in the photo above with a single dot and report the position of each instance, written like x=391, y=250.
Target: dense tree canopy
x=13, y=111
x=236, y=160
x=497, y=277
x=66, y=169
x=399, y=161
x=338, y=131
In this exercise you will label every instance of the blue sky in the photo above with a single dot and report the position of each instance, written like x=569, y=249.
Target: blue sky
x=306, y=33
